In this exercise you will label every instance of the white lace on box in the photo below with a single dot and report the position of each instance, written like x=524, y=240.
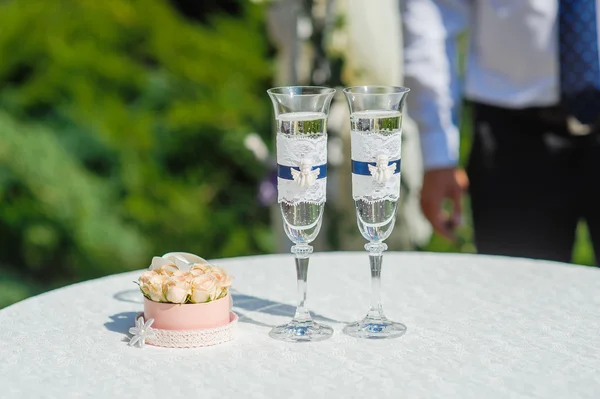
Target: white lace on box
x=293, y=151
x=368, y=147
x=192, y=338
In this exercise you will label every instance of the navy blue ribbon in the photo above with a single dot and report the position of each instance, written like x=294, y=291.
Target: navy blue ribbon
x=362, y=168
x=285, y=172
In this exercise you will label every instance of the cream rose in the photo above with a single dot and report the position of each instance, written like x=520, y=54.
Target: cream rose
x=168, y=269
x=199, y=269
x=224, y=279
x=177, y=289
x=181, y=275
x=204, y=288
x=146, y=276
x=151, y=284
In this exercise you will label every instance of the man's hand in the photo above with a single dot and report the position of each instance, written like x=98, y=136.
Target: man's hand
x=440, y=185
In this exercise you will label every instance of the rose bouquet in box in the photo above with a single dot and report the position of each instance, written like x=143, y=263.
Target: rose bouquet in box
x=184, y=292
x=200, y=284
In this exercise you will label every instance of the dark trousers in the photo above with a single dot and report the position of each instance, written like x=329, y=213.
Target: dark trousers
x=531, y=182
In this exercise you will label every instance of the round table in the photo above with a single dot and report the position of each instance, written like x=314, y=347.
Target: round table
x=478, y=327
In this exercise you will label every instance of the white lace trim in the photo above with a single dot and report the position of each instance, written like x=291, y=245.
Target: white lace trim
x=366, y=146
x=292, y=149
x=366, y=188
x=291, y=193
x=295, y=151
x=193, y=338
x=375, y=147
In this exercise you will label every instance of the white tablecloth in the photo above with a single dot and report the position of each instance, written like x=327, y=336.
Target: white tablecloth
x=478, y=327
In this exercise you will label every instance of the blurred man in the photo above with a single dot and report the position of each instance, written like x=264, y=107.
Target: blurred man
x=533, y=78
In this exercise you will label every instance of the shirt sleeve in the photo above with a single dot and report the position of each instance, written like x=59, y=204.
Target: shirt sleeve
x=430, y=32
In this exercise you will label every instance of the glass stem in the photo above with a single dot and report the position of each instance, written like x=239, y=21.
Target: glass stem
x=302, y=253
x=375, y=259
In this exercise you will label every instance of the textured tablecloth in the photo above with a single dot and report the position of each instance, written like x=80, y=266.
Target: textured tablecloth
x=478, y=327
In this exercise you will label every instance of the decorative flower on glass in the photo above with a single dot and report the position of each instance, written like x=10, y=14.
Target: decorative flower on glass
x=140, y=332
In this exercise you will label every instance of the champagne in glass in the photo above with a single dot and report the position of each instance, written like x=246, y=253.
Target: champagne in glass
x=376, y=130
x=301, y=117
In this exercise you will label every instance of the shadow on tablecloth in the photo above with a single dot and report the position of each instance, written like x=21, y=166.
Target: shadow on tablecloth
x=131, y=296
x=255, y=304
x=121, y=322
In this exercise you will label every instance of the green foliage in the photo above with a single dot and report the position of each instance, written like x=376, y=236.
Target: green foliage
x=583, y=252
x=121, y=135
x=14, y=288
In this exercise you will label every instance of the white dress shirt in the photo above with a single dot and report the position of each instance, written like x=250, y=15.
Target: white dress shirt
x=512, y=62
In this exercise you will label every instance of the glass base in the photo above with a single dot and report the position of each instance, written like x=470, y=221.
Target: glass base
x=375, y=328
x=301, y=331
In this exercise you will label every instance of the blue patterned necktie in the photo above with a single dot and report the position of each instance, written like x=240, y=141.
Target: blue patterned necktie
x=579, y=59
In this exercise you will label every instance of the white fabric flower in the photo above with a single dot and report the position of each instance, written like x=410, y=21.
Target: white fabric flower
x=140, y=332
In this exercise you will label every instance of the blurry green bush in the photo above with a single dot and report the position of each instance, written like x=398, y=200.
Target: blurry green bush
x=121, y=135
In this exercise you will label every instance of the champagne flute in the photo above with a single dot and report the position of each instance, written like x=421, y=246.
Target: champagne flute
x=301, y=116
x=376, y=138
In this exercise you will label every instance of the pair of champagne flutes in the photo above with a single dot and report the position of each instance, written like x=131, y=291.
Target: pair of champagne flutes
x=376, y=127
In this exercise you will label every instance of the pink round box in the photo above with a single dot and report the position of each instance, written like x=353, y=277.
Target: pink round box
x=188, y=316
